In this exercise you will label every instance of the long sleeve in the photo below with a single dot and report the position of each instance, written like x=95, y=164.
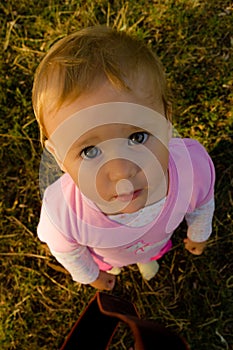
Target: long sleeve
x=79, y=263
x=200, y=222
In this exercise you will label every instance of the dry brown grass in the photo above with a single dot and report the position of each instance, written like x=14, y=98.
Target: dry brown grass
x=191, y=295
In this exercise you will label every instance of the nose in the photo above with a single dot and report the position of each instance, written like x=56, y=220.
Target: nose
x=119, y=169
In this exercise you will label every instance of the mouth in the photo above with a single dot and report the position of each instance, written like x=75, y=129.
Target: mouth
x=128, y=197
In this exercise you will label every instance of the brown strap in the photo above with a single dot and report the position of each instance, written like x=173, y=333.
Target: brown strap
x=98, y=322
x=93, y=330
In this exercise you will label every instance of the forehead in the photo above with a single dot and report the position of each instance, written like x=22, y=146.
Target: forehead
x=105, y=132
x=105, y=93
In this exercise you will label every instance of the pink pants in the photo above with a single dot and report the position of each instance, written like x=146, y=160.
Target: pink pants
x=163, y=251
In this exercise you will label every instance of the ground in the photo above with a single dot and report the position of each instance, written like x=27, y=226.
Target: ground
x=191, y=295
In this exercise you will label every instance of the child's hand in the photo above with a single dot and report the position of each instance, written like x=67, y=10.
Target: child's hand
x=105, y=281
x=194, y=247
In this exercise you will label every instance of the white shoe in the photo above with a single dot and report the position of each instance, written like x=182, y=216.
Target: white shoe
x=114, y=271
x=148, y=270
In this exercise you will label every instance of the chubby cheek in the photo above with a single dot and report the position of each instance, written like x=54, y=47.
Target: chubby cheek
x=156, y=172
x=162, y=155
x=94, y=186
x=89, y=181
x=102, y=186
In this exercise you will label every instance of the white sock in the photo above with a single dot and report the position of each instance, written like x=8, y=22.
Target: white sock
x=114, y=271
x=148, y=270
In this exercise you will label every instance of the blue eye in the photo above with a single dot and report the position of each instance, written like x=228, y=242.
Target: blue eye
x=90, y=152
x=138, y=138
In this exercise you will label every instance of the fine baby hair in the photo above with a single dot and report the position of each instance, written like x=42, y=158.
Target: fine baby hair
x=81, y=61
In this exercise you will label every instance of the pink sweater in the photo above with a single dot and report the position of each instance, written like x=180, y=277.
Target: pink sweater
x=70, y=222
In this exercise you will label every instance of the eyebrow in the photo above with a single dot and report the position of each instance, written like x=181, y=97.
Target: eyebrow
x=92, y=141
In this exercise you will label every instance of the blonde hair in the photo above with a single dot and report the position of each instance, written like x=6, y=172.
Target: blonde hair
x=80, y=61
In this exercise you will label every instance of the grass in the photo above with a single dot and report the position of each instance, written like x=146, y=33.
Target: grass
x=191, y=295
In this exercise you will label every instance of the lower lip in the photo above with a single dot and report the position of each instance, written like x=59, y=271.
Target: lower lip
x=129, y=197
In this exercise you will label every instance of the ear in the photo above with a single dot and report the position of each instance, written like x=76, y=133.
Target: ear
x=50, y=147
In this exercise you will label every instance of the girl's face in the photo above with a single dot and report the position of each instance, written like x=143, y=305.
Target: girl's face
x=116, y=153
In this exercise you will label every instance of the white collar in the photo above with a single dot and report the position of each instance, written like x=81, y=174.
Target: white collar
x=142, y=217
